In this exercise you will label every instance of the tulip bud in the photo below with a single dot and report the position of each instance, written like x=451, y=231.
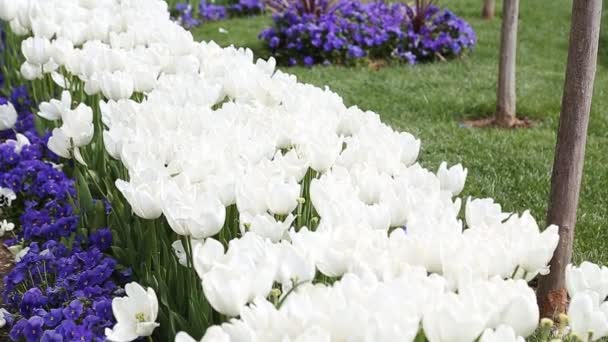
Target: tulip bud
x=452, y=180
x=546, y=323
x=563, y=320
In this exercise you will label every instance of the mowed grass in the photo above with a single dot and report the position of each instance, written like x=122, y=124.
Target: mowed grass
x=431, y=101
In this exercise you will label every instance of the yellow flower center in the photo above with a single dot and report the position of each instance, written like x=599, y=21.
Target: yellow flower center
x=140, y=317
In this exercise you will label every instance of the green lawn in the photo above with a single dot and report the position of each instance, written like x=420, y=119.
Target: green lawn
x=512, y=166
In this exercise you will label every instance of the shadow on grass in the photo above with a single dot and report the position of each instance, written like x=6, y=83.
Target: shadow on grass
x=485, y=111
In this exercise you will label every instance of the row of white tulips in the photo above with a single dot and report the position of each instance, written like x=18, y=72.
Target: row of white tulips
x=308, y=220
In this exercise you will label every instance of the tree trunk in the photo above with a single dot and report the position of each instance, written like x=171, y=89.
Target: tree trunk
x=505, y=94
x=570, y=148
x=488, y=9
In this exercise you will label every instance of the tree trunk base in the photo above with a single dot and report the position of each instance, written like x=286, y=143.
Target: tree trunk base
x=494, y=122
x=555, y=303
x=487, y=15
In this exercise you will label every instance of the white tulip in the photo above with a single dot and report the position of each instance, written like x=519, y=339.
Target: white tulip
x=452, y=180
x=410, y=148
x=206, y=255
x=483, y=213
x=44, y=28
x=143, y=194
x=587, y=277
x=539, y=250
x=59, y=143
x=208, y=218
x=8, y=9
x=250, y=193
x=62, y=50
x=293, y=165
x=36, y=51
x=294, y=267
x=184, y=337
x=144, y=79
x=17, y=28
x=226, y=292
x=117, y=86
x=135, y=314
x=55, y=109
x=8, y=116
x=452, y=320
x=282, y=197
x=31, y=71
x=585, y=316
x=215, y=334
x=323, y=153
x=78, y=125
x=73, y=31
x=265, y=225
x=502, y=333
x=24, y=14
x=521, y=313
x=199, y=216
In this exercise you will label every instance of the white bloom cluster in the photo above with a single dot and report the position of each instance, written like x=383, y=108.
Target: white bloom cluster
x=365, y=309
x=320, y=188
x=588, y=312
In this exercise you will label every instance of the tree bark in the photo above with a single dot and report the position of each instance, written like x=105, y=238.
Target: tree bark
x=488, y=9
x=570, y=148
x=505, y=94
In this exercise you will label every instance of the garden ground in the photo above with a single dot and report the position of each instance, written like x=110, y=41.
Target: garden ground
x=431, y=102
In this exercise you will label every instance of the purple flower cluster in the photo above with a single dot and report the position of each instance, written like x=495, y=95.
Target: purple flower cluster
x=62, y=286
x=212, y=12
x=246, y=7
x=184, y=16
x=347, y=30
x=63, y=294
x=43, y=192
x=207, y=11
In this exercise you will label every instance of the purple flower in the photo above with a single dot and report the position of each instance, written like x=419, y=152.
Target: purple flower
x=53, y=317
x=17, y=329
x=32, y=299
x=309, y=61
x=355, y=51
x=274, y=42
x=51, y=336
x=103, y=308
x=102, y=239
x=74, y=310
x=32, y=331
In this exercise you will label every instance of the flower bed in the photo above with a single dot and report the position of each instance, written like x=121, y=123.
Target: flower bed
x=347, y=30
x=254, y=207
x=62, y=284
x=214, y=11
